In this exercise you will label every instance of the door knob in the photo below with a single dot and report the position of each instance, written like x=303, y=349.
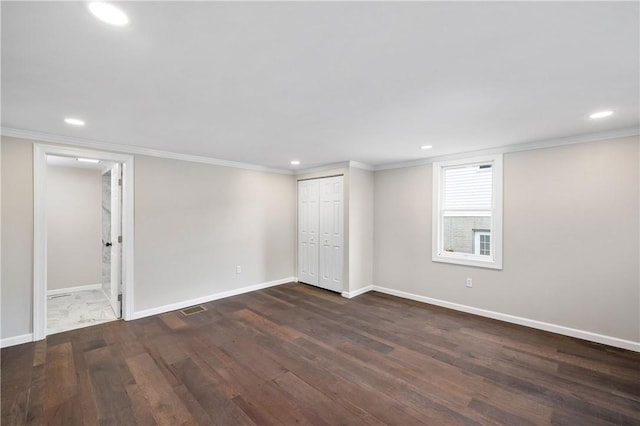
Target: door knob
x=108, y=244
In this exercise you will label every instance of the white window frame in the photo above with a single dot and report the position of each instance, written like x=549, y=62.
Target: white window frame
x=494, y=260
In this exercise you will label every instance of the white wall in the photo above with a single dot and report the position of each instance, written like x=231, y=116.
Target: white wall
x=360, y=229
x=17, y=237
x=571, y=225
x=74, y=212
x=571, y=239
x=193, y=224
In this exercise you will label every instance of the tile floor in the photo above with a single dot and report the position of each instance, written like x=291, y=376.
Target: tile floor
x=76, y=310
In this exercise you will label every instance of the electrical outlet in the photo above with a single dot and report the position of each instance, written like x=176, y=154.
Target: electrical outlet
x=238, y=269
x=469, y=282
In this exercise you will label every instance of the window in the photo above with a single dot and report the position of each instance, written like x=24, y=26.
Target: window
x=482, y=242
x=467, y=212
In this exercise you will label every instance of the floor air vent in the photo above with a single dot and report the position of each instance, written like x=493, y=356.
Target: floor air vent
x=193, y=310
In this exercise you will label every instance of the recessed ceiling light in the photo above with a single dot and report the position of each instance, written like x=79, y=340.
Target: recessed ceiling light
x=108, y=13
x=88, y=160
x=426, y=147
x=295, y=162
x=74, y=121
x=601, y=114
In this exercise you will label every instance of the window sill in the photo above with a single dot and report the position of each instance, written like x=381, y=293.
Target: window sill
x=489, y=264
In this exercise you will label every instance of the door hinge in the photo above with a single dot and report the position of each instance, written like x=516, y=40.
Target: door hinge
x=119, y=182
x=119, y=238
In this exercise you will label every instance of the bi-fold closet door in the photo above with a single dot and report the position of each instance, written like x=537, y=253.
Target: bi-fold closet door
x=321, y=232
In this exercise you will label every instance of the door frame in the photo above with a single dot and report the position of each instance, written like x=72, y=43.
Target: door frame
x=345, y=237
x=40, y=152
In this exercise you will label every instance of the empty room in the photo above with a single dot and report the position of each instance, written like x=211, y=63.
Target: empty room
x=320, y=213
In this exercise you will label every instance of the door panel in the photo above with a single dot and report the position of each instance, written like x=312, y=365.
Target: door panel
x=111, y=231
x=116, y=232
x=320, y=232
x=308, y=232
x=106, y=233
x=331, y=258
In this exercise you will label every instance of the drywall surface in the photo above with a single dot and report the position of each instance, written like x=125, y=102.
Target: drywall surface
x=74, y=249
x=17, y=237
x=195, y=223
x=571, y=231
x=360, y=229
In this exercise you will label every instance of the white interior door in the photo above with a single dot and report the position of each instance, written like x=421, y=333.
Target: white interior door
x=116, y=238
x=106, y=233
x=331, y=233
x=308, y=228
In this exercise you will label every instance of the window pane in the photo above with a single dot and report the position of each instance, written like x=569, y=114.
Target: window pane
x=460, y=233
x=485, y=244
x=468, y=187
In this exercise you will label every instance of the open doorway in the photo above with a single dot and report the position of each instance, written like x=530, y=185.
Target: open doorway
x=83, y=242
x=83, y=231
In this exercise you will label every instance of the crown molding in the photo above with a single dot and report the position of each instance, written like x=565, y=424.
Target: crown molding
x=528, y=146
x=128, y=149
x=340, y=165
x=361, y=166
x=107, y=146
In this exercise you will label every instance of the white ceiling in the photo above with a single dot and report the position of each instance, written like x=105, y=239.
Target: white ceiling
x=322, y=82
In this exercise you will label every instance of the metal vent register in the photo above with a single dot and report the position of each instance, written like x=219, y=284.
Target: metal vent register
x=193, y=310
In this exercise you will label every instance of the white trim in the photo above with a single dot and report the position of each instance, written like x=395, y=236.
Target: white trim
x=39, y=243
x=130, y=149
x=340, y=165
x=527, y=146
x=87, y=287
x=16, y=340
x=358, y=292
x=540, y=325
x=322, y=168
x=209, y=298
x=362, y=166
x=40, y=151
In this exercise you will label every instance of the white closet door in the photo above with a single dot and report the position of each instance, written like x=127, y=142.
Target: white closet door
x=308, y=228
x=331, y=233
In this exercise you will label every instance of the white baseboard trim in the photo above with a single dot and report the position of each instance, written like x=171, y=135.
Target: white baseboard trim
x=358, y=292
x=540, y=325
x=16, y=340
x=74, y=289
x=209, y=298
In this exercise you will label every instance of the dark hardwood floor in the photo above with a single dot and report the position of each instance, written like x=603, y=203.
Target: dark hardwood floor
x=295, y=354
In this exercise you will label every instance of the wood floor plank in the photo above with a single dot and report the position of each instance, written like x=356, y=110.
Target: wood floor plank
x=297, y=354
x=62, y=383
x=35, y=407
x=166, y=406
x=249, y=385
x=219, y=408
x=16, y=384
x=173, y=320
x=306, y=395
x=113, y=406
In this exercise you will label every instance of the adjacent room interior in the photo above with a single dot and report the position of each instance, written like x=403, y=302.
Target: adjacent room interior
x=320, y=213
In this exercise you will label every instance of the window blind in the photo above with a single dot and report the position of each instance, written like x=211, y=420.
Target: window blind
x=468, y=188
